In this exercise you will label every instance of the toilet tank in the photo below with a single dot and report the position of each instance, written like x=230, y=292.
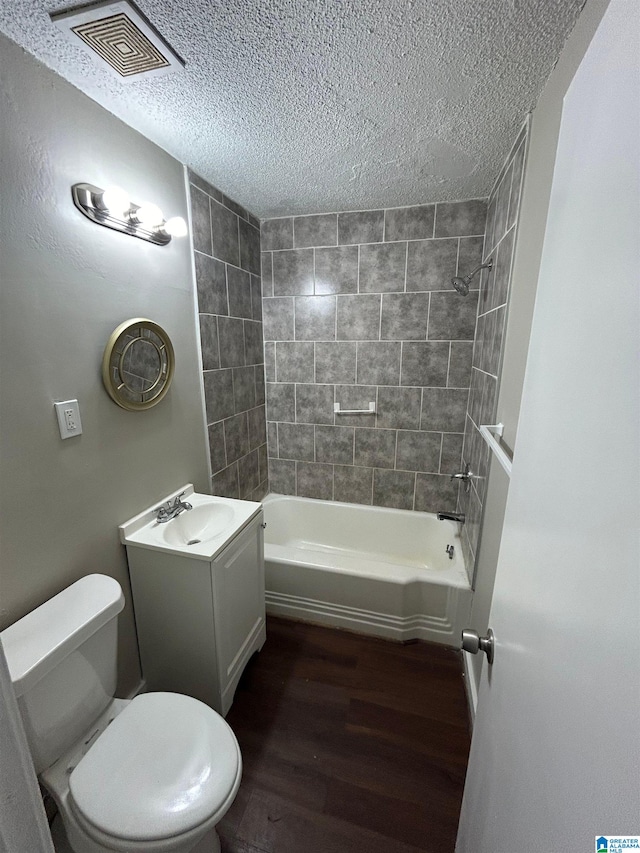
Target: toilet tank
x=62, y=661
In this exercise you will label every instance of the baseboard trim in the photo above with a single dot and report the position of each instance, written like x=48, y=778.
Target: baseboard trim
x=416, y=627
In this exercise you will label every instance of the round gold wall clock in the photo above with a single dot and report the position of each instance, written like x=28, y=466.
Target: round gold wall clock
x=138, y=364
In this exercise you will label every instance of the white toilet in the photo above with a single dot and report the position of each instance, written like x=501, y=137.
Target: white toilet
x=150, y=775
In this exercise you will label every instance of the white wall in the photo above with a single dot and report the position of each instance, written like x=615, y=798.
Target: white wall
x=66, y=283
x=543, y=140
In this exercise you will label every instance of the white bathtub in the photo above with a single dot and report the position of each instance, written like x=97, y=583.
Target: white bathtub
x=377, y=571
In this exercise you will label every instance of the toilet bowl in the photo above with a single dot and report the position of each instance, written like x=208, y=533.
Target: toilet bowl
x=150, y=775
x=157, y=777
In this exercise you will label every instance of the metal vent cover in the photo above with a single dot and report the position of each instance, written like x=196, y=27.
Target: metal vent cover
x=120, y=35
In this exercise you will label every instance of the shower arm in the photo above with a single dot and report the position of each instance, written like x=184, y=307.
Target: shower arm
x=487, y=266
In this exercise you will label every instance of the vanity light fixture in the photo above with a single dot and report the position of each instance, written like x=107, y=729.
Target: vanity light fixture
x=112, y=208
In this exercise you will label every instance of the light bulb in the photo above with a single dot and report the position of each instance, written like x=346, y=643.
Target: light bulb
x=115, y=200
x=175, y=226
x=149, y=215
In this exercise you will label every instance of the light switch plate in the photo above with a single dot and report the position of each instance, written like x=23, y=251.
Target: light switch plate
x=68, y=414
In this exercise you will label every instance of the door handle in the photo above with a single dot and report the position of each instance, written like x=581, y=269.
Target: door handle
x=473, y=643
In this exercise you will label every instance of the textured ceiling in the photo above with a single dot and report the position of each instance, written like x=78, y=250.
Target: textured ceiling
x=302, y=106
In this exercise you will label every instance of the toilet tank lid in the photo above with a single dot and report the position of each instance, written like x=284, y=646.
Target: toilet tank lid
x=35, y=644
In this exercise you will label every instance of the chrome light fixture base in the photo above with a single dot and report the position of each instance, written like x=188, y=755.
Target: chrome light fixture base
x=86, y=197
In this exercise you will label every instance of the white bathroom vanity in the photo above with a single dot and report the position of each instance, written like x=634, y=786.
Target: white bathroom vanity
x=198, y=594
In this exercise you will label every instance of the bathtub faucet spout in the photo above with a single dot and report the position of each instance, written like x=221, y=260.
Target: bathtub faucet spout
x=451, y=516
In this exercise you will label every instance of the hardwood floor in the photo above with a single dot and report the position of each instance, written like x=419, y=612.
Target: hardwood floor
x=350, y=744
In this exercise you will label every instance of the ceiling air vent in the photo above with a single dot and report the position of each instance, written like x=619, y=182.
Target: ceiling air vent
x=121, y=36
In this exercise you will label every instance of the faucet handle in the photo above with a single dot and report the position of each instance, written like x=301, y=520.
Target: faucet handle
x=465, y=476
x=178, y=502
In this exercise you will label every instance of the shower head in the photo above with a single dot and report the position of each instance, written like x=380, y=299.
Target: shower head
x=461, y=285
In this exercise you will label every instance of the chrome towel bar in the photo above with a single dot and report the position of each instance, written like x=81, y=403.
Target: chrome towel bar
x=491, y=433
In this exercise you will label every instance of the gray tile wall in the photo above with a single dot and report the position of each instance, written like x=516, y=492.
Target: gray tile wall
x=358, y=307
x=502, y=221
x=227, y=261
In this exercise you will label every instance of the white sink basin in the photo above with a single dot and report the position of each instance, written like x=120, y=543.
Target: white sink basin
x=195, y=525
x=201, y=532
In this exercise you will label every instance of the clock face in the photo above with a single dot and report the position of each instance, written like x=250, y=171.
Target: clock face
x=138, y=364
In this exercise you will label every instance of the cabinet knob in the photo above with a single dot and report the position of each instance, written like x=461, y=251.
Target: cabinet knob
x=263, y=525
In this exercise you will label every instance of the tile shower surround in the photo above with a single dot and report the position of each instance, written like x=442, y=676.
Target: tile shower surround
x=227, y=261
x=502, y=221
x=358, y=307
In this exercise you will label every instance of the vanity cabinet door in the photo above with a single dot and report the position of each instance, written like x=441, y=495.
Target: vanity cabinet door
x=238, y=595
x=172, y=597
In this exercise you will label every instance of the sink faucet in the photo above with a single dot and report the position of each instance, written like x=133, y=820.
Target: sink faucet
x=451, y=516
x=166, y=513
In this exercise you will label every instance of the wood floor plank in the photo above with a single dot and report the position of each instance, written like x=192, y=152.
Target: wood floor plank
x=284, y=771
x=350, y=744
x=436, y=703
x=439, y=740
x=424, y=826
x=229, y=824
x=274, y=825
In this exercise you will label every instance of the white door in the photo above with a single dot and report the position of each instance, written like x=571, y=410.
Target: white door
x=23, y=824
x=555, y=757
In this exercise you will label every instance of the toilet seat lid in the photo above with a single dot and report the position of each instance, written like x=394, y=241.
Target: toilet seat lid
x=164, y=765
